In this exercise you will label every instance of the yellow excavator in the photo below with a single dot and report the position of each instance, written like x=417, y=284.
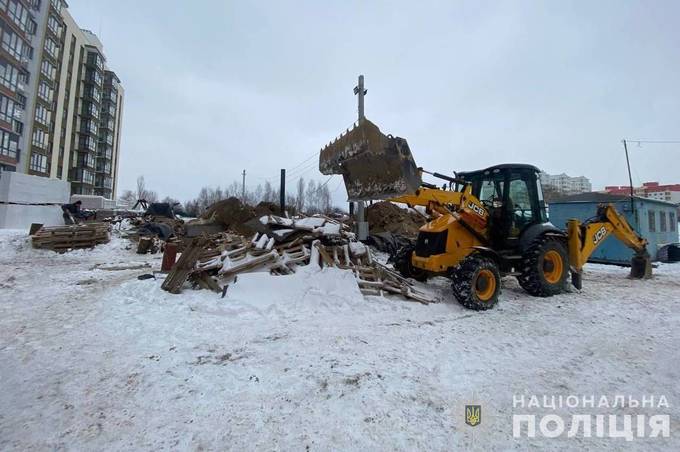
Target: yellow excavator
x=485, y=224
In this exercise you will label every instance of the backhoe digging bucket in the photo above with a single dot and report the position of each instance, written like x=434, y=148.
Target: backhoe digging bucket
x=373, y=165
x=641, y=266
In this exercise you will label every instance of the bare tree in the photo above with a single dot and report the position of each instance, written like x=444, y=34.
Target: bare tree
x=267, y=196
x=310, y=204
x=128, y=197
x=141, y=188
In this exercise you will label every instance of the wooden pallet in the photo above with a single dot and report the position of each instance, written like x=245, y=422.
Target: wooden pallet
x=64, y=238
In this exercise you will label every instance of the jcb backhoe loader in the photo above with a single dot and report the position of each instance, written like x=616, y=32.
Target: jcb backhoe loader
x=487, y=223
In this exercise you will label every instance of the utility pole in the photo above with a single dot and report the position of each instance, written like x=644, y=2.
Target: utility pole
x=362, y=224
x=282, y=193
x=243, y=187
x=630, y=179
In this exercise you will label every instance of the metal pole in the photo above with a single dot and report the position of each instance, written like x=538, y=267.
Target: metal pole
x=243, y=187
x=362, y=224
x=630, y=178
x=282, y=192
x=361, y=93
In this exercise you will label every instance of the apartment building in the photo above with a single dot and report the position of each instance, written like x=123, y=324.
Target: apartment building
x=61, y=106
x=653, y=190
x=565, y=184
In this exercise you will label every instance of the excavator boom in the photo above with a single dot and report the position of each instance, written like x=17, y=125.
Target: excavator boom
x=585, y=238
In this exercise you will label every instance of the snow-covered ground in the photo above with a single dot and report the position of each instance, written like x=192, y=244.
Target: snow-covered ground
x=92, y=358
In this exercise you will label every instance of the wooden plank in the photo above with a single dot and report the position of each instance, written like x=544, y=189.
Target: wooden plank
x=184, y=266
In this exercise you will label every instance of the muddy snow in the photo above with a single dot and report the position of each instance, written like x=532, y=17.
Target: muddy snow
x=92, y=358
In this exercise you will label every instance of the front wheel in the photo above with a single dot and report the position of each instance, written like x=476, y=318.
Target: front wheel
x=476, y=283
x=402, y=262
x=545, y=267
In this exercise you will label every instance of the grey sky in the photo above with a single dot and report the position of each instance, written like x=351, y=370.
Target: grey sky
x=214, y=87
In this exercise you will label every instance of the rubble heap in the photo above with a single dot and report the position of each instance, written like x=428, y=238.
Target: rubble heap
x=385, y=216
x=279, y=246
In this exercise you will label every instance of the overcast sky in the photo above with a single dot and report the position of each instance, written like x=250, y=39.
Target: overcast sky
x=215, y=87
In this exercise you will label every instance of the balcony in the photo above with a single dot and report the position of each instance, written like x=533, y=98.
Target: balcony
x=103, y=165
x=103, y=182
x=82, y=175
x=106, y=124
x=104, y=151
x=86, y=160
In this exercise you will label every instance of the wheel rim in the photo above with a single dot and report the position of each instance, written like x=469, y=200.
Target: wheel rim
x=485, y=285
x=553, y=266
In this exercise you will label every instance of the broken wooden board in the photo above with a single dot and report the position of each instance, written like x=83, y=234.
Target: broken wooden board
x=184, y=266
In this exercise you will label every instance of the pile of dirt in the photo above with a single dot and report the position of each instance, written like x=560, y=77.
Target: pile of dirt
x=385, y=216
x=267, y=208
x=232, y=214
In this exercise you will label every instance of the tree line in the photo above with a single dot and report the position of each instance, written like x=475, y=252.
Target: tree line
x=308, y=196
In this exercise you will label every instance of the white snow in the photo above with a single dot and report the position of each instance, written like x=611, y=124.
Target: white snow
x=92, y=358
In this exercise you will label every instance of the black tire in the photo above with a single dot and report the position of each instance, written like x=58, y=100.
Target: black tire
x=402, y=262
x=476, y=283
x=540, y=267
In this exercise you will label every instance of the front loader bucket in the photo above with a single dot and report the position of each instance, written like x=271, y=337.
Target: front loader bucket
x=641, y=266
x=373, y=165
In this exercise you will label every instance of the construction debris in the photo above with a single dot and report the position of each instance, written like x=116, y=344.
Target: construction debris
x=64, y=238
x=280, y=246
x=385, y=216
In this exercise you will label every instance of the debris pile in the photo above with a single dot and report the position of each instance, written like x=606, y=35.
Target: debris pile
x=385, y=216
x=279, y=246
x=64, y=238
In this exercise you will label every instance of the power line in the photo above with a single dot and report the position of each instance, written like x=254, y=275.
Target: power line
x=654, y=141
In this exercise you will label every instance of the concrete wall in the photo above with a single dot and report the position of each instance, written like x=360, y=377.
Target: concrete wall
x=26, y=199
x=27, y=189
x=20, y=216
x=94, y=202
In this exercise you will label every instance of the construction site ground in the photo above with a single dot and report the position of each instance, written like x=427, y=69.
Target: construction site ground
x=92, y=358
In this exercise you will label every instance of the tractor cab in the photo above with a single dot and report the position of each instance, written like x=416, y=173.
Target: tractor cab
x=512, y=194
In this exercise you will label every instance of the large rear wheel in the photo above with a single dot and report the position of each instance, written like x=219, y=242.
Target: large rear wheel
x=545, y=267
x=476, y=283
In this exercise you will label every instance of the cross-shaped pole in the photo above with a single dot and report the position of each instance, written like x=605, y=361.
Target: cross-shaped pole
x=362, y=224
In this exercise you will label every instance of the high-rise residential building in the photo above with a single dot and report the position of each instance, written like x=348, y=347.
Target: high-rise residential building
x=565, y=184
x=61, y=107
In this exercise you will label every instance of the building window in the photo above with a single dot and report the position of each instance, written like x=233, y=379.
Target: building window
x=48, y=70
x=53, y=25
x=94, y=93
x=87, y=143
x=19, y=14
x=38, y=163
x=662, y=221
x=9, y=144
x=40, y=138
x=652, y=220
x=89, y=126
x=42, y=115
x=15, y=46
x=45, y=92
x=51, y=47
x=7, y=107
x=671, y=221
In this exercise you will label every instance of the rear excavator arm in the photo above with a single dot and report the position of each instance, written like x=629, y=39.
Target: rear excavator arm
x=585, y=238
